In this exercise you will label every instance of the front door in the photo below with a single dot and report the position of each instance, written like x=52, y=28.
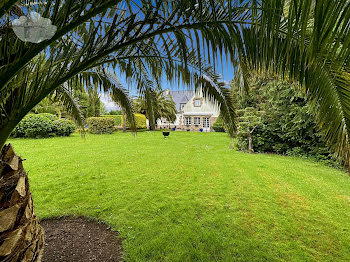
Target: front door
x=206, y=124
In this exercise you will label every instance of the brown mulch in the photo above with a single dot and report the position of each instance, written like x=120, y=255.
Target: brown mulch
x=70, y=239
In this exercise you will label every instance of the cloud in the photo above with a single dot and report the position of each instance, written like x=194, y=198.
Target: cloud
x=108, y=102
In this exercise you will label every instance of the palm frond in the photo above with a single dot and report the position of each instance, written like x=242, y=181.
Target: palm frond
x=107, y=82
x=65, y=95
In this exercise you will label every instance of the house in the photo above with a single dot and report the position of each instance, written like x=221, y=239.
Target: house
x=194, y=112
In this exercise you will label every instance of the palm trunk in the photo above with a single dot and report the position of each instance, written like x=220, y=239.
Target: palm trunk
x=124, y=121
x=21, y=236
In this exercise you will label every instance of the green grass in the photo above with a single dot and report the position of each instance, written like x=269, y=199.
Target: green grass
x=191, y=198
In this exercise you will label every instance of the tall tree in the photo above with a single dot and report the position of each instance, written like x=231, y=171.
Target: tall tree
x=89, y=102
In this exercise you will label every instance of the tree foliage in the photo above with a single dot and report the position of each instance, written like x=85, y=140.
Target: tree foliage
x=308, y=42
x=115, y=112
x=89, y=102
x=249, y=119
x=155, y=106
x=283, y=121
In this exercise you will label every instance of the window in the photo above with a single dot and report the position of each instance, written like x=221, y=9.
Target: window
x=197, y=121
x=197, y=102
x=182, y=106
x=188, y=121
x=206, y=122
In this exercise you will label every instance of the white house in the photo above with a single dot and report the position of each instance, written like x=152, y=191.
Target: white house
x=194, y=112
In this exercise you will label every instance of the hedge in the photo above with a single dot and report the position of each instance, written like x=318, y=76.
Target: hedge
x=63, y=127
x=139, y=119
x=118, y=119
x=100, y=125
x=42, y=125
x=218, y=126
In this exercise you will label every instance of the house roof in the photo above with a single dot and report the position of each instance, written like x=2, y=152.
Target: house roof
x=181, y=97
x=198, y=114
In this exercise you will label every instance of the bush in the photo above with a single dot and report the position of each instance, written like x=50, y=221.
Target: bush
x=43, y=125
x=63, y=127
x=117, y=119
x=286, y=124
x=100, y=125
x=49, y=116
x=34, y=125
x=139, y=119
x=115, y=112
x=218, y=126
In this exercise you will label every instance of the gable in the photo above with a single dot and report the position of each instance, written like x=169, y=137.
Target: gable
x=206, y=107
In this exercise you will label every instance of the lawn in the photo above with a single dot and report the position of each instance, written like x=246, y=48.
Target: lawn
x=191, y=198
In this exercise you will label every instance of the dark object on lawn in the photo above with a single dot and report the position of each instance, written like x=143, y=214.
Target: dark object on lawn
x=174, y=128
x=201, y=130
x=80, y=239
x=166, y=133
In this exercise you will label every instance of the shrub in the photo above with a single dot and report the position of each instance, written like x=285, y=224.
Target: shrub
x=43, y=125
x=218, y=126
x=115, y=112
x=286, y=123
x=117, y=119
x=140, y=121
x=49, y=116
x=34, y=125
x=100, y=125
x=63, y=127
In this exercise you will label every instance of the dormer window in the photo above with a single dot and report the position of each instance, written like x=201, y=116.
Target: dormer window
x=197, y=102
x=182, y=106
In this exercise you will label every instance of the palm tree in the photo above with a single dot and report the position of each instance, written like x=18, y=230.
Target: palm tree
x=156, y=105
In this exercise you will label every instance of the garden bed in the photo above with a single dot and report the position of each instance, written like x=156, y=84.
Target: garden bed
x=80, y=239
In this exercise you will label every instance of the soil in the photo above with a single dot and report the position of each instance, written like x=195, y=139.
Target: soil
x=71, y=239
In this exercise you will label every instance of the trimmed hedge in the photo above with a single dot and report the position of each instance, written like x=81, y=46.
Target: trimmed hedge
x=63, y=127
x=218, y=126
x=43, y=125
x=100, y=125
x=139, y=119
x=118, y=119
